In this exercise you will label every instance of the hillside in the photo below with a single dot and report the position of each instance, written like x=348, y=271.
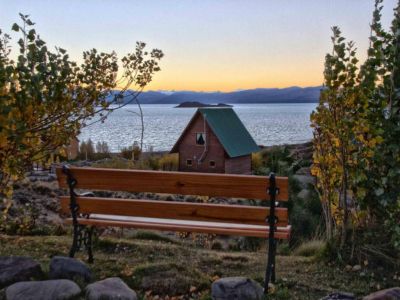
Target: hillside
x=262, y=95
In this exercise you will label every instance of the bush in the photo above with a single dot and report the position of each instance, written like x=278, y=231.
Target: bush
x=278, y=159
x=249, y=243
x=283, y=248
x=310, y=248
x=256, y=162
x=131, y=152
x=169, y=162
x=114, y=163
x=154, y=236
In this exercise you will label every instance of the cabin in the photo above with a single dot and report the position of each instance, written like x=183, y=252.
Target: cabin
x=215, y=141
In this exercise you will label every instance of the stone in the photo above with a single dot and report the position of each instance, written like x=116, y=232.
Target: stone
x=339, y=296
x=356, y=268
x=304, y=171
x=69, y=268
x=304, y=194
x=110, y=289
x=61, y=289
x=18, y=268
x=305, y=180
x=388, y=294
x=236, y=288
x=348, y=268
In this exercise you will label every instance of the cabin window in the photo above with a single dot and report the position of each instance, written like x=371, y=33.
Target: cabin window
x=189, y=162
x=200, y=138
x=212, y=163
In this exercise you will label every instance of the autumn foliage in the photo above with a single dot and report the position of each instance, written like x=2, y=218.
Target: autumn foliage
x=357, y=140
x=46, y=98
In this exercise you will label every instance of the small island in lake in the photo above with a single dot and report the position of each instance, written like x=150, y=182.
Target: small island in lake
x=199, y=104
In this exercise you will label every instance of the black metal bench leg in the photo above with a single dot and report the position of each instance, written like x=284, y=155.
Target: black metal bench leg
x=270, y=271
x=89, y=243
x=272, y=220
x=75, y=241
x=273, y=262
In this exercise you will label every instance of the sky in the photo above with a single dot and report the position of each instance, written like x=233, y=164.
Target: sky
x=209, y=45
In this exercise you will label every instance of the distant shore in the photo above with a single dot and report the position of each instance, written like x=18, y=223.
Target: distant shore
x=190, y=104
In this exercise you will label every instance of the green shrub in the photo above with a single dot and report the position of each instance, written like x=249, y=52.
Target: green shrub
x=114, y=163
x=169, y=162
x=310, y=248
x=283, y=248
x=256, y=162
x=154, y=236
x=248, y=243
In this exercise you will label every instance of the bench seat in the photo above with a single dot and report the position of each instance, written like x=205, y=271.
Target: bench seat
x=183, y=226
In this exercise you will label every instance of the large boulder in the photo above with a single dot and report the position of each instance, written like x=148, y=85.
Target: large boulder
x=388, y=294
x=61, y=289
x=110, y=289
x=339, y=296
x=17, y=268
x=236, y=288
x=69, y=268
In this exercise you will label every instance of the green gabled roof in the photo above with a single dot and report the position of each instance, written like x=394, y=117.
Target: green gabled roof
x=229, y=130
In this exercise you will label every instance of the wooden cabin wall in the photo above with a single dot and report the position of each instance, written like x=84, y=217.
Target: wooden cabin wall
x=238, y=165
x=188, y=149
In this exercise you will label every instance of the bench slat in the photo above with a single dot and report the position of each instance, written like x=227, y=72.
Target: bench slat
x=184, y=183
x=255, y=215
x=283, y=233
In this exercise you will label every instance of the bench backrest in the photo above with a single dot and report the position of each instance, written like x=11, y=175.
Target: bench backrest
x=183, y=183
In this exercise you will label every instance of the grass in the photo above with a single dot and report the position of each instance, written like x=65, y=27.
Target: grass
x=161, y=267
x=310, y=248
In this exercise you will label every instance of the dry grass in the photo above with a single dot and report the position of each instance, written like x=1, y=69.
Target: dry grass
x=310, y=248
x=168, y=268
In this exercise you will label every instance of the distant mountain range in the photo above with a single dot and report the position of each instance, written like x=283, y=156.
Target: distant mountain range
x=261, y=95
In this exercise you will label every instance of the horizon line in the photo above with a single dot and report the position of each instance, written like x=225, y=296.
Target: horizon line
x=229, y=91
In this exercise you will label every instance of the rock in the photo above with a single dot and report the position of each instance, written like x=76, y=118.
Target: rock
x=388, y=294
x=305, y=180
x=348, y=268
x=69, y=268
x=304, y=171
x=304, y=194
x=110, y=289
x=61, y=289
x=356, y=268
x=235, y=288
x=339, y=296
x=17, y=268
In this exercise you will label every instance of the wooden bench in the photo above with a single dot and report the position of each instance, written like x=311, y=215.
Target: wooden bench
x=257, y=221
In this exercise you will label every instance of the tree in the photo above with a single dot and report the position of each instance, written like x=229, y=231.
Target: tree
x=334, y=135
x=356, y=139
x=140, y=115
x=102, y=147
x=46, y=97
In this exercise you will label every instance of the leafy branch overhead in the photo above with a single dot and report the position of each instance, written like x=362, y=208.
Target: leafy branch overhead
x=46, y=98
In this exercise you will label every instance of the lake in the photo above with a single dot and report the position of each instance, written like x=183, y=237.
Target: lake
x=269, y=124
